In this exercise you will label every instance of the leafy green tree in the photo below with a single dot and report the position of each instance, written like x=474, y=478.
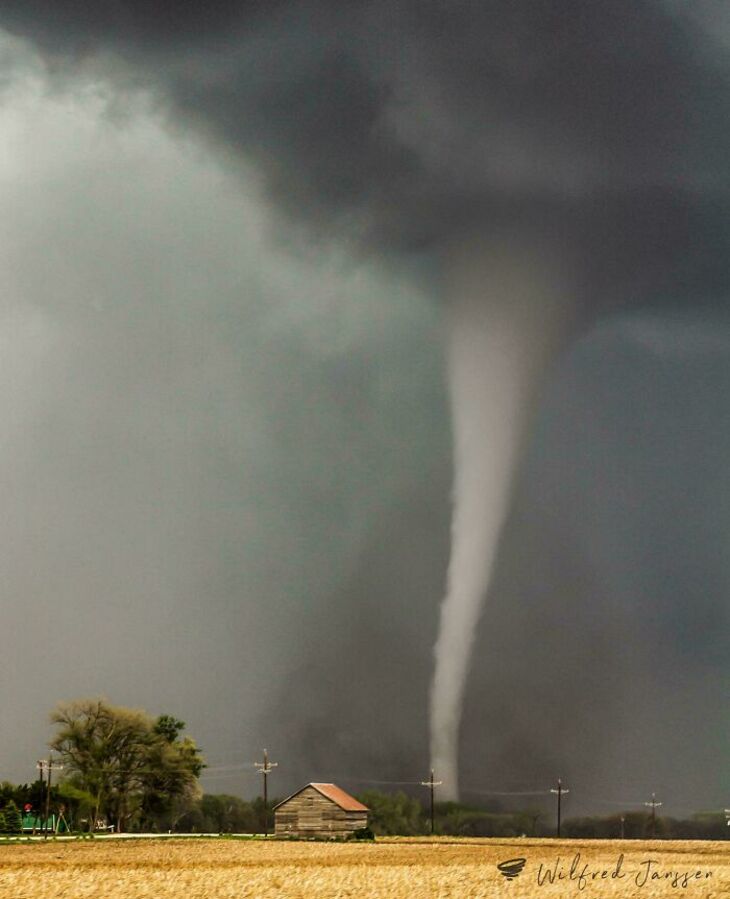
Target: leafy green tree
x=393, y=813
x=13, y=819
x=170, y=783
x=528, y=822
x=472, y=822
x=76, y=803
x=169, y=727
x=32, y=794
x=399, y=814
x=701, y=826
x=594, y=827
x=221, y=813
x=123, y=764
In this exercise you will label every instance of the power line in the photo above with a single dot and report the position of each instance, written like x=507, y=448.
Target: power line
x=511, y=792
x=623, y=804
x=371, y=780
x=224, y=774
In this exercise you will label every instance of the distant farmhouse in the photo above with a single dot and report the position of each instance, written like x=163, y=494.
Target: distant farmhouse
x=320, y=810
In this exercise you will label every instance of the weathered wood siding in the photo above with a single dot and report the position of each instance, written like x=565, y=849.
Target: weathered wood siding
x=310, y=814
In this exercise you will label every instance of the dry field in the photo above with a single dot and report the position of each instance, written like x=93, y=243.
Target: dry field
x=387, y=869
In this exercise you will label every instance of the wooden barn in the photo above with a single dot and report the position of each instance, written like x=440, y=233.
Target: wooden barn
x=319, y=810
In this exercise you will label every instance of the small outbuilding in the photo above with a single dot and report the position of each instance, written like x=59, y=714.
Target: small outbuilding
x=320, y=810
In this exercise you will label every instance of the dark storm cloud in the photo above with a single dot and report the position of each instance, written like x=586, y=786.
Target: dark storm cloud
x=406, y=126
x=615, y=555
x=411, y=122
x=200, y=432
x=79, y=26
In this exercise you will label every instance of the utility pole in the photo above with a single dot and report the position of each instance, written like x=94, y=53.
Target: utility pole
x=41, y=766
x=560, y=790
x=653, y=805
x=431, y=784
x=47, y=765
x=265, y=768
x=623, y=822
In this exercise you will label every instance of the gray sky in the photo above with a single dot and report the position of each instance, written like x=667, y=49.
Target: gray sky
x=226, y=455
x=203, y=430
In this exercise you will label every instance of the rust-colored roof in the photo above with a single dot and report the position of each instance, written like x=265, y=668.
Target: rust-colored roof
x=343, y=799
x=336, y=794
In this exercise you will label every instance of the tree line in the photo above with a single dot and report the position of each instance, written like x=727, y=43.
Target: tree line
x=398, y=814
x=395, y=814
x=127, y=769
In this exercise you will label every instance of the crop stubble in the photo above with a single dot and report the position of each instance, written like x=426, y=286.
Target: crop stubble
x=416, y=869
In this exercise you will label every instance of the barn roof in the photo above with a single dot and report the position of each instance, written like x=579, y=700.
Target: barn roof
x=335, y=794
